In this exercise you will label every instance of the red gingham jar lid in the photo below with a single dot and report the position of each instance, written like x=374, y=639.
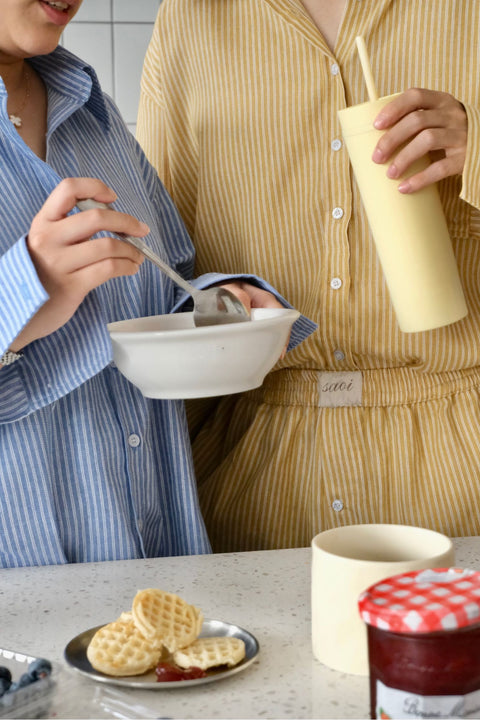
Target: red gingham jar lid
x=423, y=601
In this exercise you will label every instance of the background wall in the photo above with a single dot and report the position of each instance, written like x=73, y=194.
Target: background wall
x=112, y=35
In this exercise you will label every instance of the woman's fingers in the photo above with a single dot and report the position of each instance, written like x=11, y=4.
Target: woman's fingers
x=68, y=262
x=82, y=255
x=251, y=295
x=421, y=123
x=64, y=197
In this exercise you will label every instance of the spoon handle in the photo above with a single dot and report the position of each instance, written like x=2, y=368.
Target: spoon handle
x=143, y=248
x=153, y=257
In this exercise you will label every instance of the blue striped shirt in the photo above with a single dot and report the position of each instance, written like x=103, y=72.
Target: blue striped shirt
x=89, y=469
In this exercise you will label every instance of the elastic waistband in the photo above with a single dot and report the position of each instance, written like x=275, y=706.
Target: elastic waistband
x=383, y=387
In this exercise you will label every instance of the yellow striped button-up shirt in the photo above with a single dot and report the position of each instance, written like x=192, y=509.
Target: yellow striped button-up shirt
x=238, y=113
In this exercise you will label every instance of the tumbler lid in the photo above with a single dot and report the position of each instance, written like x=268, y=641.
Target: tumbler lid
x=423, y=601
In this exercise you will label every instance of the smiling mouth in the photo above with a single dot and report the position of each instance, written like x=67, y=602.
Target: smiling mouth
x=57, y=5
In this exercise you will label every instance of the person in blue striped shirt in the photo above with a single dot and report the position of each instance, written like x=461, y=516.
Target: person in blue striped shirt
x=90, y=470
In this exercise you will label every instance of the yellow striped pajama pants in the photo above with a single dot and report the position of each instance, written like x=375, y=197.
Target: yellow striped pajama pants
x=274, y=468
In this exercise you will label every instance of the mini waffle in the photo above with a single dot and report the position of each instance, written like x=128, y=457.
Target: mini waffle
x=165, y=619
x=210, y=652
x=120, y=649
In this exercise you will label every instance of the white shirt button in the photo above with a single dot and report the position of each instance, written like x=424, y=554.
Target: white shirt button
x=334, y=69
x=337, y=505
x=336, y=144
x=337, y=213
x=339, y=355
x=335, y=283
x=133, y=440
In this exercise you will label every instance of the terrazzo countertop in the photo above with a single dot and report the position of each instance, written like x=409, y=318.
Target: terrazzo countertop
x=267, y=593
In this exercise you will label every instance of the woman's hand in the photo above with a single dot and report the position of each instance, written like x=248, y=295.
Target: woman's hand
x=251, y=295
x=425, y=122
x=254, y=297
x=69, y=264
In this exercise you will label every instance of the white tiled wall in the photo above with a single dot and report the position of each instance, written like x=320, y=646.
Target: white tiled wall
x=112, y=35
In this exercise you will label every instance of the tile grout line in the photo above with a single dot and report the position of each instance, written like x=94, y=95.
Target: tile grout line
x=112, y=48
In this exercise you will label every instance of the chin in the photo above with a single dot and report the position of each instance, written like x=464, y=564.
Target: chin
x=45, y=43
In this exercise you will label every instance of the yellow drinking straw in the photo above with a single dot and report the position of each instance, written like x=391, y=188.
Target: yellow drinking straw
x=366, y=67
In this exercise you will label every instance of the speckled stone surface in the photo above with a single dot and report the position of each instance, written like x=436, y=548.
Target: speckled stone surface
x=267, y=593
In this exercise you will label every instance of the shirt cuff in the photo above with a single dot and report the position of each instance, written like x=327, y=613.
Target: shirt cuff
x=21, y=292
x=53, y=366
x=301, y=328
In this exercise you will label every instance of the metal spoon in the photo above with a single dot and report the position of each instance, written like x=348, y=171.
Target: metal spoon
x=212, y=306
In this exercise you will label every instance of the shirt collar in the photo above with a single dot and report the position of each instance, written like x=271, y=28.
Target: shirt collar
x=72, y=78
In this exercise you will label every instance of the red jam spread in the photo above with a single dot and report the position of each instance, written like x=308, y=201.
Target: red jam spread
x=166, y=672
x=423, y=632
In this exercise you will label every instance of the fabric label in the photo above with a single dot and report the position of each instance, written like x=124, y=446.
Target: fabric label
x=340, y=389
x=393, y=703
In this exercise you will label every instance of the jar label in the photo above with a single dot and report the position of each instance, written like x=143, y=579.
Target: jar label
x=393, y=703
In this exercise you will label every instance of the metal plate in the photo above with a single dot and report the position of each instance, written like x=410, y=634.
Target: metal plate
x=76, y=656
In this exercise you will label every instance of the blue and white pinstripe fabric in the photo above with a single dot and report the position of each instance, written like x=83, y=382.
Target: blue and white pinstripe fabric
x=72, y=487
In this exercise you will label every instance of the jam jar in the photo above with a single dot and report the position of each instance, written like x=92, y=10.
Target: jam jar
x=423, y=631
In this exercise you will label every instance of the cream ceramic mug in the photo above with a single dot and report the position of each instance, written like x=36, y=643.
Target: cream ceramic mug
x=410, y=230
x=345, y=561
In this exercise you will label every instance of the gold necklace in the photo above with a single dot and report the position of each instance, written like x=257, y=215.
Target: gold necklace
x=15, y=116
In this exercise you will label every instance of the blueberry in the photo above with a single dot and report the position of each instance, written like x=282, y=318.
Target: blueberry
x=5, y=673
x=39, y=668
x=4, y=685
x=25, y=679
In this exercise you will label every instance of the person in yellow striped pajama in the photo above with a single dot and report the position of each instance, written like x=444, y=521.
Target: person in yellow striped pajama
x=238, y=113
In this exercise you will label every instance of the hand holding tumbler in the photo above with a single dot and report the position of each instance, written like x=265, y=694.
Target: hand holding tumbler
x=410, y=231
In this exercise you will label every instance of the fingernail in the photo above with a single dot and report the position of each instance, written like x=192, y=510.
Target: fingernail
x=145, y=227
x=377, y=155
x=404, y=187
x=379, y=121
x=392, y=171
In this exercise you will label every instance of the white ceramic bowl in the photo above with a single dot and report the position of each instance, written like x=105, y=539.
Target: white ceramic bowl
x=166, y=356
